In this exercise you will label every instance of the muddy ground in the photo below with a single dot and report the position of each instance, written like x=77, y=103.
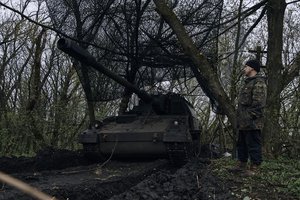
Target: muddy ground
x=68, y=175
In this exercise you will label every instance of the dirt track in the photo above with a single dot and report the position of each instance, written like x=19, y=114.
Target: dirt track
x=67, y=175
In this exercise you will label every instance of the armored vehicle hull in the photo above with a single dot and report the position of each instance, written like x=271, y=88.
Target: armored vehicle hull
x=175, y=135
x=143, y=136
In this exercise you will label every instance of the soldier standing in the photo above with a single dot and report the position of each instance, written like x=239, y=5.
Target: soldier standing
x=251, y=102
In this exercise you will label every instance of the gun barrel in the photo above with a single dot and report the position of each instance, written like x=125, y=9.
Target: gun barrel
x=86, y=58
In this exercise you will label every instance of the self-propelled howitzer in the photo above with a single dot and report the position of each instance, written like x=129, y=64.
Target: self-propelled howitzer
x=163, y=125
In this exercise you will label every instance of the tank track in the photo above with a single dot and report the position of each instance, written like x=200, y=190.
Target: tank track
x=91, y=152
x=179, y=153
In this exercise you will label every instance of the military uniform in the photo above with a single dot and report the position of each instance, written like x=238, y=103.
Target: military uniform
x=252, y=100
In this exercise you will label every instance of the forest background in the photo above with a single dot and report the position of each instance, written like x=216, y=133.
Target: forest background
x=43, y=101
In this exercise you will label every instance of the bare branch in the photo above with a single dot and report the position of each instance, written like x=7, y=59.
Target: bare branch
x=296, y=1
x=61, y=34
x=292, y=72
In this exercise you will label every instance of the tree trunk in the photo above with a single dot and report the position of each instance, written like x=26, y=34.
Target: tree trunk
x=201, y=68
x=35, y=88
x=35, y=82
x=235, y=76
x=275, y=14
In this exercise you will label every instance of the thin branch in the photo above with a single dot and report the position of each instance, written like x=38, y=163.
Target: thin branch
x=262, y=14
x=292, y=72
x=32, y=21
x=33, y=192
x=61, y=34
x=293, y=2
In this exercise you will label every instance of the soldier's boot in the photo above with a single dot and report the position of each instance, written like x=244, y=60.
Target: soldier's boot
x=239, y=168
x=252, y=171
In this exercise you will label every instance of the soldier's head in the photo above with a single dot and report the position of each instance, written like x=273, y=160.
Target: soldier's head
x=252, y=67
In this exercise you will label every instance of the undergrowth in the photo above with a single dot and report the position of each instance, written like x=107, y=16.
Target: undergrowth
x=276, y=179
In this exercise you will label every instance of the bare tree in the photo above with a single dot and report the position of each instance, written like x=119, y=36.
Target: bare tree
x=275, y=15
x=41, y=98
x=200, y=61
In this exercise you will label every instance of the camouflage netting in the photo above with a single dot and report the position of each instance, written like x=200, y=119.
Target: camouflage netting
x=134, y=42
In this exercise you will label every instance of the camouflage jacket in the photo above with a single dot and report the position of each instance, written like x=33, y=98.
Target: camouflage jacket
x=252, y=100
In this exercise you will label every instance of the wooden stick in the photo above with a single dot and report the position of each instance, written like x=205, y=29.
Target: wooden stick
x=24, y=187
